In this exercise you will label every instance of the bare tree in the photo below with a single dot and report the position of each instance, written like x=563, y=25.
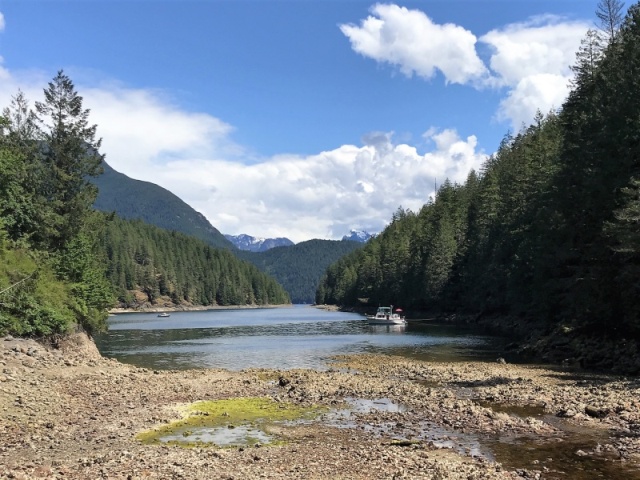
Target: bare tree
x=609, y=12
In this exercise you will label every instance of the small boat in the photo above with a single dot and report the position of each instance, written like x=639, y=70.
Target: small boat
x=164, y=314
x=386, y=316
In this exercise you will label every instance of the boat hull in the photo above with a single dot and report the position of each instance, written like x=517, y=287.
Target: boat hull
x=386, y=321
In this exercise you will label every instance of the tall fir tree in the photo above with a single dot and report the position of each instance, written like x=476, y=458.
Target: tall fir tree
x=70, y=154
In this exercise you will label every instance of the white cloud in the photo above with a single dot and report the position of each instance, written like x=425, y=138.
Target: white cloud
x=323, y=195
x=1, y=22
x=143, y=129
x=411, y=41
x=541, y=92
x=530, y=61
x=148, y=137
x=533, y=61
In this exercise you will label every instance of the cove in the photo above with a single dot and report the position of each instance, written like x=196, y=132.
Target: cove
x=279, y=338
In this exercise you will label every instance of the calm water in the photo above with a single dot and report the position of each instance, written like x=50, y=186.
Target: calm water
x=297, y=337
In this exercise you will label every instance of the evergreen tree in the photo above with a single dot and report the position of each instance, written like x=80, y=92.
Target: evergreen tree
x=70, y=155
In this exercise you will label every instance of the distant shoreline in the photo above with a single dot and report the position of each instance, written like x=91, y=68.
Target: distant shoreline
x=194, y=308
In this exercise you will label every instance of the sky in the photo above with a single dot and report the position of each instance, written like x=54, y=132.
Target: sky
x=302, y=118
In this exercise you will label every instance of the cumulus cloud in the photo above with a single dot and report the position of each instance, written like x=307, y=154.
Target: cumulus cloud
x=411, y=41
x=529, y=61
x=541, y=92
x=148, y=137
x=322, y=195
x=143, y=129
x=532, y=60
x=1, y=22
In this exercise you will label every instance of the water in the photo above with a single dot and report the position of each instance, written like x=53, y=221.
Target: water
x=306, y=337
x=295, y=337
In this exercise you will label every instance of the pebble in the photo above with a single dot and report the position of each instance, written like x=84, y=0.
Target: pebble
x=87, y=416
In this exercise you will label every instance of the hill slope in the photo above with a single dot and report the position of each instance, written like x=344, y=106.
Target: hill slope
x=149, y=266
x=136, y=199
x=300, y=267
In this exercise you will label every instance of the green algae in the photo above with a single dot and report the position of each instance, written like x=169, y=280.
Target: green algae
x=231, y=422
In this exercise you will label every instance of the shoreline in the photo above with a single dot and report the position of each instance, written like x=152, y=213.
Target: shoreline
x=71, y=413
x=193, y=308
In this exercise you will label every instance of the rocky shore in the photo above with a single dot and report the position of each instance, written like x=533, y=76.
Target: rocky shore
x=67, y=412
x=170, y=307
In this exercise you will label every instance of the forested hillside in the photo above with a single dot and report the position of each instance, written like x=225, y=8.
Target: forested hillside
x=135, y=199
x=62, y=264
x=50, y=279
x=300, y=267
x=546, y=234
x=297, y=268
x=173, y=268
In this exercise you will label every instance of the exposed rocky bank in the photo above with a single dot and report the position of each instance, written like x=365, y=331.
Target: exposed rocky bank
x=67, y=412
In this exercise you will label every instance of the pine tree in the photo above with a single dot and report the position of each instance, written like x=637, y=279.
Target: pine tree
x=70, y=154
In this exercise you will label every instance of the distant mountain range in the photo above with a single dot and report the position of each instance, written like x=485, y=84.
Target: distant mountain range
x=256, y=244
x=358, y=236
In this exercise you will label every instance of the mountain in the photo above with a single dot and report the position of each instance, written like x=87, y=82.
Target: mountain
x=357, y=236
x=135, y=199
x=299, y=268
x=255, y=244
x=150, y=266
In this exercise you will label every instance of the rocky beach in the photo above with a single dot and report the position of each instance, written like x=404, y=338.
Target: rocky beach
x=68, y=412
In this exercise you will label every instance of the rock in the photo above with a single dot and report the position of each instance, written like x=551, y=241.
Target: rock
x=566, y=413
x=501, y=361
x=596, y=412
x=283, y=382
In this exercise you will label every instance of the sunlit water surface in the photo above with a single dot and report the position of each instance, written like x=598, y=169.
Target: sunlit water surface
x=294, y=337
x=307, y=337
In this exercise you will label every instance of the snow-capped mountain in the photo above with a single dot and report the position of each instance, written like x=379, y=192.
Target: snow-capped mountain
x=257, y=244
x=358, y=236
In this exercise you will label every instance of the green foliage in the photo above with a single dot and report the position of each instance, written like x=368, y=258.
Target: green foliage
x=300, y=267
x=182, y=269
x=50, y=279
x=33, y=302
x=77, y=264
x=70, y=155
x=135, y=199
x=547, y=231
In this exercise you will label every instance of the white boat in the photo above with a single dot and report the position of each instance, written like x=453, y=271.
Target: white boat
x=164, y=314
x=386, y=316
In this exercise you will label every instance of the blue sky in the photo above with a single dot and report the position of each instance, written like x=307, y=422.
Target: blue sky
x=301, y=118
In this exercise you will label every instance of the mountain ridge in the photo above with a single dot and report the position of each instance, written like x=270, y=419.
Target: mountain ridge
x=137, y=199
x=257, y=244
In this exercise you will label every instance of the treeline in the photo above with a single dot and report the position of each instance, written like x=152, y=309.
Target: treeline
x=547, y=232
x=185, y=270
x=299, y=268
x=50, y=279
x=62, y=264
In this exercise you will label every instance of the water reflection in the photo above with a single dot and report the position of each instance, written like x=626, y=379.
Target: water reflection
x=298, y=337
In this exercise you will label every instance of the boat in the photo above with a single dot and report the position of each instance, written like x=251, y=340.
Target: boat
x=386, y=316
x=164, y=314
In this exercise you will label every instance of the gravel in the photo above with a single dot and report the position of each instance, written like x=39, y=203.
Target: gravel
x=67, y=412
